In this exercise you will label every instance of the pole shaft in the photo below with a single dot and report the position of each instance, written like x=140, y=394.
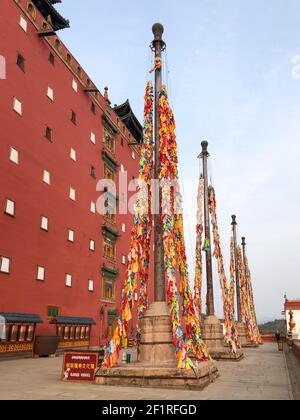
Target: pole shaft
x=209, y=274
x=244, y=264
x=237, y=276
x=159, y=265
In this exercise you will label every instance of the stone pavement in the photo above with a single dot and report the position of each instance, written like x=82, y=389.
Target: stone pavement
x=262, y=375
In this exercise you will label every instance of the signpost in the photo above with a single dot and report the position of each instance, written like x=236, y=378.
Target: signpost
x=79, y=366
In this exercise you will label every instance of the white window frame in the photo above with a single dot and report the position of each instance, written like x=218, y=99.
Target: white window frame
x=18, y=106
x=124, y=259
x=10, y=207
x=40, y=275
x=73, y=155
x=45, y=223
x=72, y=194
x=92, y=245
x=91, y=286
x=123, y=228
x=69, y=280
x=50, y=93
x=93, y=138
x=46, y=177
x=5, y=263
x=14, y=155
x=71, y=235
x=75, y=85
x=23, y=23
x=93, y=207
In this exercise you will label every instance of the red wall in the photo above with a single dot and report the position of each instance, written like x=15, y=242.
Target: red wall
x=21, y=238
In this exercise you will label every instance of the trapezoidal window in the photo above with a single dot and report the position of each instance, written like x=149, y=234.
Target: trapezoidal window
x=20, y=62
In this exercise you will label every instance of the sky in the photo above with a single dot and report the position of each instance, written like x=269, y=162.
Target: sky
x=231, y=69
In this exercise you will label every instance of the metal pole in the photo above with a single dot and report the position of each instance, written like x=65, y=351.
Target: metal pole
x=158, y=46
x=237, y=277
x=209, y=275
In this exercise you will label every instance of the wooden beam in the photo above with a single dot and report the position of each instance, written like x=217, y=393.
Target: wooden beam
x=47, y=32
x=91, y=89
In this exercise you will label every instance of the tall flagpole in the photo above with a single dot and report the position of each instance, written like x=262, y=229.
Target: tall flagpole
x=244, y=261
x=237, y=277
x=158, y=45
x=209, y=274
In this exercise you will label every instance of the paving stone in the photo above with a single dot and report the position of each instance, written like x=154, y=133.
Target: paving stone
x=262, y=375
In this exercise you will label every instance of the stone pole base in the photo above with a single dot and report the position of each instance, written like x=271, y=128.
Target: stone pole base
x=214, y=337
x=157, y=365
x=242, y=331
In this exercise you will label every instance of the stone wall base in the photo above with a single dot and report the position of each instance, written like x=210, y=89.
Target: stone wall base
x=242, y=331
x=139, y=375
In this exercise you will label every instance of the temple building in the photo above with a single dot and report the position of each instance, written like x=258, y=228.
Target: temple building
x=62, y=263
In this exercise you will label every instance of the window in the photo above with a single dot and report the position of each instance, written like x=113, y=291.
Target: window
x=73, y=117
x=58, y=45
x=17, y=106
x=93, y=138
x=133, y=155
x=93, y=108
x=75, y=85
x=48, y=133
x=50, y=93
x=23, y=23
x=71, y=235
x=46, y=177
x=14, y=156
x=110, y=216
x=52, y=58
x=92, y=245
x=93, y=207
x=68, y=280
x=109, y=173
x=123, y=259
x=109, y=140
x=21, y=62
x=40, y=273
x=123, y=228
x=10, y=207
x=91, y=286
x=31, y=10
x=52, y=311
x=109, y=248
x=79, y=72
x=108, y=290
x=44, y=223
x=72, y=194
x=73, y=155
x=93, y=171
x=5, y=265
